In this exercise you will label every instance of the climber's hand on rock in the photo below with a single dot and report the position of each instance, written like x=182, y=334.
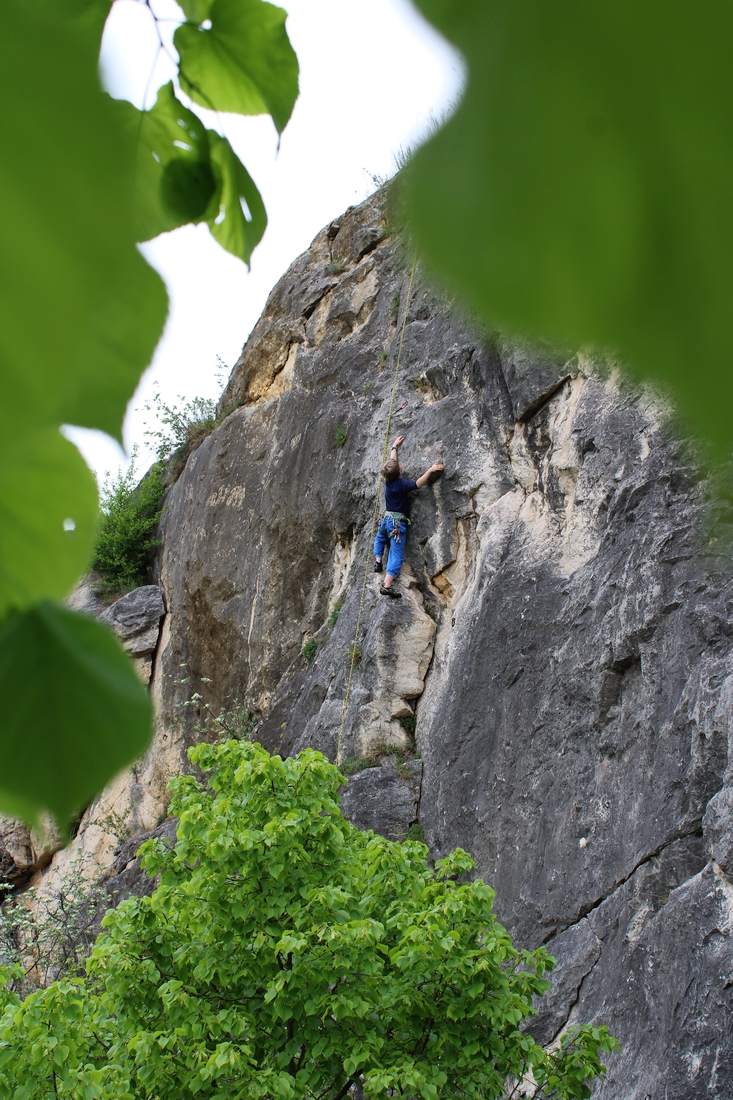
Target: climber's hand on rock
x=398, y=440
x=428, y=474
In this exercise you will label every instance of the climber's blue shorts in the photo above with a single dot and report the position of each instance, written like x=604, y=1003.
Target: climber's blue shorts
x=396, y=549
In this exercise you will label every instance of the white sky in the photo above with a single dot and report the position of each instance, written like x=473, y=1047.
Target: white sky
x=372, y=73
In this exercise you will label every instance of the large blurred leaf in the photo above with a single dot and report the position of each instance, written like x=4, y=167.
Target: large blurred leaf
x=236, y=229
x=582, y=191
x=196, y=11
x=48, y=514
x=89, y=16
x=243, y=62
x=74, y=712
x=80, y=310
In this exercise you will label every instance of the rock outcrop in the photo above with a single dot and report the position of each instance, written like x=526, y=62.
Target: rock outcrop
x=24, y=851
x=562, y=650
x=135, y=618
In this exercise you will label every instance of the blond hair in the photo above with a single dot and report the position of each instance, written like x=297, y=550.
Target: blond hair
x=391, y=470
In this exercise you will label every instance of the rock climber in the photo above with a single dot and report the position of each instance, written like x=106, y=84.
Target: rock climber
x=392, y=529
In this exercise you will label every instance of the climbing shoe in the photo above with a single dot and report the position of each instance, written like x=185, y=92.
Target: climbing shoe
x=391, y=593
x=377, y=566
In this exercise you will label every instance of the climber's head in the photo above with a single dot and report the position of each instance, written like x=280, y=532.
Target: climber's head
x=391, y=470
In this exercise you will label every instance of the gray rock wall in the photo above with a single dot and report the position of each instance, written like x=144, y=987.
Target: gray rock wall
x=562, y=648
x=562, y=642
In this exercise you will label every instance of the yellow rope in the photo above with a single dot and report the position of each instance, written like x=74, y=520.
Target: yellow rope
x=375, y=513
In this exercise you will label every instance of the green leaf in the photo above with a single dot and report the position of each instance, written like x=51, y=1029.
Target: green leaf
x=74, y=714
x=187, y=173
x=88, y=15
x=244, y=62
x=174, y=181
x=236, y=229
x=44, y=484
x=80, y=310
x=196, y=11
x=581, y=192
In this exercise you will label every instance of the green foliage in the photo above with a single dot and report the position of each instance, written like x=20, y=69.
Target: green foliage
x=67, y=1039
x=128, y=525
x=333, y=617
x=581, y=190
x=378, y=753
x=235, y=56
x=394, y=309
x=382, y=360
x=336, y=267
x=416, y=834
x=353, y=653
x=408, y=723
x=188, y=174
x=62, y=675
x=180, y=428
x=82, y=179
x=310, y=648
x=352, y=765
x=286, y=954
x=236, y=721
x=339, y=437
x=366, y=387
x=48, y=505
x=47, y=934
x=83, y=312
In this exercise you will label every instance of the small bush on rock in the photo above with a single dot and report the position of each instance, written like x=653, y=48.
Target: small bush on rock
x=179, y=428
x=333, y=617
x=339, y=436
x=128, y=524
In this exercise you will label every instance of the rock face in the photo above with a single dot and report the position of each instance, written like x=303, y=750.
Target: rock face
x=562, y=648
x=384, y=799
x=127, y=807
x=23, y=850
x=135, y=619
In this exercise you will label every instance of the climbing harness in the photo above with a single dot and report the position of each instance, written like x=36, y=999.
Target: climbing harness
x=397, y=517
x=375, y=513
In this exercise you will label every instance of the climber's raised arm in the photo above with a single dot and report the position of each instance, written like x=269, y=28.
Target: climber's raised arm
x=423, y=479
x=395, y=445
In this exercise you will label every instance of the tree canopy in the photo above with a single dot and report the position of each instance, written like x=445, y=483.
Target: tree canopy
x=285, y=954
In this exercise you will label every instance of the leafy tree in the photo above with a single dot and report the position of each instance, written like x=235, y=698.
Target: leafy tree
x=128, y=526
x=581, y=191
x=82, y=179
x=286, y=954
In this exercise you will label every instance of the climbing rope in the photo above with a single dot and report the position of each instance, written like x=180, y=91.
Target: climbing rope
x=375, y=513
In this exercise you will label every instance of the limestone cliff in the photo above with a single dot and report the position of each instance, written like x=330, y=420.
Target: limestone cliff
x=563, y=642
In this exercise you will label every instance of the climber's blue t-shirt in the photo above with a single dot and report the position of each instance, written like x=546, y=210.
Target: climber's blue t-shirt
x=396, y=497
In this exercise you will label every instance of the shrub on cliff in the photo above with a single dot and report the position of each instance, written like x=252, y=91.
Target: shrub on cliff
x=128, y=524
x=179, y=428
x=286, y=954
